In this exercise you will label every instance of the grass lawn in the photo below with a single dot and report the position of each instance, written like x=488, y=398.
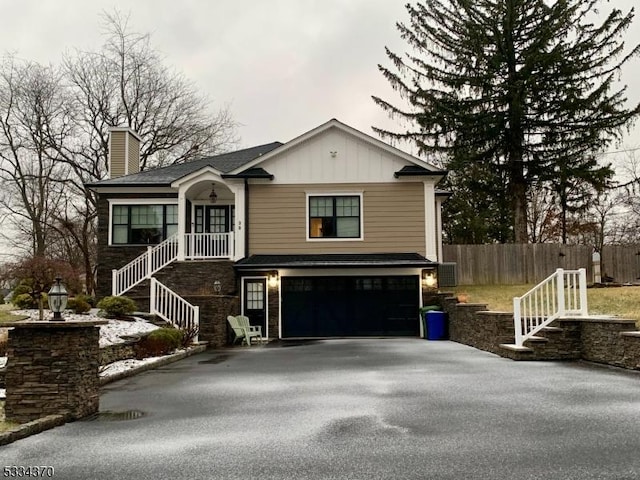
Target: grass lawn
x=622, y=301
x=6, y=315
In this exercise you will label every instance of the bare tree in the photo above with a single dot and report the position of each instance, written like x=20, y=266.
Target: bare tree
x=33, y=112
x=127, y=84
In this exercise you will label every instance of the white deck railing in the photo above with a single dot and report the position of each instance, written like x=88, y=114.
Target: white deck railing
x=208, y=245
x=564, y=293
x=172, y=308
x=145, y=265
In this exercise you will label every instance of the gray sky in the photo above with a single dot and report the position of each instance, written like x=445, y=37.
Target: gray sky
x=284, y=66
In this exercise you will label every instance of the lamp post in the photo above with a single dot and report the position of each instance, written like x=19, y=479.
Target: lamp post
x=58, y=297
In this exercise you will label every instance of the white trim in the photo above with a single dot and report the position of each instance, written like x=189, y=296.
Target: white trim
x=133, y=189
x=135, y=201
x=126, y=129
x=126, y=154
x=266, y=300
x=208, y=174
x=430, y=222
x=325, y=193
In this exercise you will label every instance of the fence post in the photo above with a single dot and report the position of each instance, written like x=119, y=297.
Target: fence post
x=152, y=296
x=584, y=310
x=149, y=261
x=560, y=291
x=517, y=321
x=114, y=282
x=196, y=318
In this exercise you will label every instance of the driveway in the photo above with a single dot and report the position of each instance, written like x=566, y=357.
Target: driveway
x=354, y=409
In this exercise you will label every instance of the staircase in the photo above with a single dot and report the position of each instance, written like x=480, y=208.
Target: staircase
x=164, y=302
x=562, y=294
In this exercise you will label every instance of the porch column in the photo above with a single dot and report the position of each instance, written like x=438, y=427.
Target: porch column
x=239, y=228
x=182, y=220
x=431, y=249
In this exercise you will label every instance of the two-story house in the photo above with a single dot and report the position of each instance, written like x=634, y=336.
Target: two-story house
x=333, y=233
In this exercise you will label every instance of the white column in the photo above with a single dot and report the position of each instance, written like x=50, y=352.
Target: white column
x=439, y=257
x=240, y=221
x=182, y=219
x=431, y=249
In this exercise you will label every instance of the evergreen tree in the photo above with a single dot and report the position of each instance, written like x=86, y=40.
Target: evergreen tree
x=524, y=87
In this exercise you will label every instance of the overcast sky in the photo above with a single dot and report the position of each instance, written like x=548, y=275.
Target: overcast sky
x=283, y=66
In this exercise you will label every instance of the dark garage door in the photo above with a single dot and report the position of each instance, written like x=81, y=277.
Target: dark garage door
x=349, y=306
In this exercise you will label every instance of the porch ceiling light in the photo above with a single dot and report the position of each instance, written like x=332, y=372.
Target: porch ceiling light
x=213, y=196
x=58, y=297
x=273, y=278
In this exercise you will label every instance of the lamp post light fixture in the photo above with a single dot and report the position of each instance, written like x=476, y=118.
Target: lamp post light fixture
x=58, y=297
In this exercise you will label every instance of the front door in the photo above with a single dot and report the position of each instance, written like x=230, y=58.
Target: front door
x=214, y=218
x=255, y=302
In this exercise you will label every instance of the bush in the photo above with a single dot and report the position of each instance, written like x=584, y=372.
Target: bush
x=117, y=306
x=159, y=342
x=78, y=305
x=89, y=299
x=24, y=301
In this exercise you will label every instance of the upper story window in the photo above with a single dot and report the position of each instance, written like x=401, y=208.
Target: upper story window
x=336, y=216
x=143, y=224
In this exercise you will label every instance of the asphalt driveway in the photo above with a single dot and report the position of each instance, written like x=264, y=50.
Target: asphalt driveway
x=354, y=409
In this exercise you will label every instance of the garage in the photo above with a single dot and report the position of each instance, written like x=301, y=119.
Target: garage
x=345, y=306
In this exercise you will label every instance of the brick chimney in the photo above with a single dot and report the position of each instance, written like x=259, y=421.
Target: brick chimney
x=124, y=152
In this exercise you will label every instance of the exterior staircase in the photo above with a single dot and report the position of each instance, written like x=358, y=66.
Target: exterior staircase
x=561, y=295
x=141, y=276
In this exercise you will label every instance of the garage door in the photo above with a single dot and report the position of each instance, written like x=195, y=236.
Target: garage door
x=349, y=306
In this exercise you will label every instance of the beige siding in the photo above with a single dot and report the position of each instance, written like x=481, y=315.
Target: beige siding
x=394, y=219
x=117, y=153
x=133, y=154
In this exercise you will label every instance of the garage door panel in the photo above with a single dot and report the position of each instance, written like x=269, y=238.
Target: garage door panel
x=349, y=306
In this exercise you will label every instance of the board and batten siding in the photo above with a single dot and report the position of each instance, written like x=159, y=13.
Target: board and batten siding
x=394, y=219
x=334, y=157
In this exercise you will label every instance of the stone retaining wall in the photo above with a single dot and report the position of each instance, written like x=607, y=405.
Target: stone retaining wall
x=611, y=341
x=53, y=370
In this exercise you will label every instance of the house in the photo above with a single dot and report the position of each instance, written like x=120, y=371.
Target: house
x=333, y=233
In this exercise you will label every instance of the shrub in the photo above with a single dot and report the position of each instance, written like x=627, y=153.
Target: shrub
x=24, y=301
x=117, y=306
x=78, y=305
x=87, y=298
x=159, y=342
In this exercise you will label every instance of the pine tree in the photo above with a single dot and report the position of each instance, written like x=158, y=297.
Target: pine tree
x=524, y=87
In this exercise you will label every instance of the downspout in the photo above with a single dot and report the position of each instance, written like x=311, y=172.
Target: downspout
x=246, y=217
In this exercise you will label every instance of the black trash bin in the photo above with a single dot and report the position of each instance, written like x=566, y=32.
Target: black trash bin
x=436, y=323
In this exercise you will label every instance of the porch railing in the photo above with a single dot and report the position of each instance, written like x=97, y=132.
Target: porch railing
x=172, y=308
x=564, y=293
x=208, y=245
x=145, y=265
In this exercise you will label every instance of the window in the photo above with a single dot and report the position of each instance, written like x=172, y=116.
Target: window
x=143, y=224
x=334, y=217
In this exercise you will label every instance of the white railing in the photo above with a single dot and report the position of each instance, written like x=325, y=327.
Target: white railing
x=145, y=265
x=564, y=293
x=171, y=307
x=208, y=245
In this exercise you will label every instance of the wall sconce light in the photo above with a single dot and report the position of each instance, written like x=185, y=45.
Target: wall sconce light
x=217, y=286
x=273, y=279
x=213, y=196
x=429, y=277
x=58, y=297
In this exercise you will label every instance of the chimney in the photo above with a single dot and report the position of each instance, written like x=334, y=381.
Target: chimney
x=124, y=152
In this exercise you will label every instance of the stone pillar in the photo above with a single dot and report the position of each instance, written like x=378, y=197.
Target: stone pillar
x=52, y=369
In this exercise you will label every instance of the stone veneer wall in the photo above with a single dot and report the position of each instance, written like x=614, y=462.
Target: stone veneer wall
x=274, y=311
x=214, y=310
x=611, y=341
x=52, y=370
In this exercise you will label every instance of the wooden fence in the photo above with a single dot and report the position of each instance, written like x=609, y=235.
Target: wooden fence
x=621, y=262
x=515, y=264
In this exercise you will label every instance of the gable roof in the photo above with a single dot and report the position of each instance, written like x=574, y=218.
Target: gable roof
x=333, y=123
x=224, y=163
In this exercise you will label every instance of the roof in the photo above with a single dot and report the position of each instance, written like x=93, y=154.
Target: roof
x=333, y=260
x=417, y=170
x=224, y=163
